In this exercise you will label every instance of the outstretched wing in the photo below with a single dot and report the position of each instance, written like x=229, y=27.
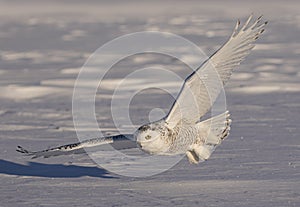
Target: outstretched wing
x=203, y=86
x=118, y=142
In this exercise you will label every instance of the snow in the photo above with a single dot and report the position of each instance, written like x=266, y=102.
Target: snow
x=43, y=47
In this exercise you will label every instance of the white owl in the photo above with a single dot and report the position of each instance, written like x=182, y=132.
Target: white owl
x=181, y=131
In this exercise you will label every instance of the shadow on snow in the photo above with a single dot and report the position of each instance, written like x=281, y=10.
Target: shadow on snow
x=51, y=170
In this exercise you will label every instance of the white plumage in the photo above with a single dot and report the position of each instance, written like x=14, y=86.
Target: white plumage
x=181, y=131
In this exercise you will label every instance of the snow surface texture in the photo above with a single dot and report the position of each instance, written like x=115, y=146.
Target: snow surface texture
x=44, y=45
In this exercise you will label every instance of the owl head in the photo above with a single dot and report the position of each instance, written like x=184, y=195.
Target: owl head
x=149, y=138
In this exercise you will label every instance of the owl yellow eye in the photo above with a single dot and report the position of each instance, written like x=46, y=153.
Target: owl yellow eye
x=147, y=137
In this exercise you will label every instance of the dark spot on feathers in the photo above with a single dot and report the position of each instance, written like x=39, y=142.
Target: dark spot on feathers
x=144, y=128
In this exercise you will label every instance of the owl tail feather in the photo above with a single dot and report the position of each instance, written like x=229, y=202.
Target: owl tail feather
x=217, y=129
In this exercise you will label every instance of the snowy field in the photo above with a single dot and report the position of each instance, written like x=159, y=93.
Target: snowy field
x=42, y=48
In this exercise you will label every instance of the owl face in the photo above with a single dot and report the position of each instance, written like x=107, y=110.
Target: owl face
x=149, y=139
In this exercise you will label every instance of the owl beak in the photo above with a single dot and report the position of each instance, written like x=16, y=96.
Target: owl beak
x=139, y=144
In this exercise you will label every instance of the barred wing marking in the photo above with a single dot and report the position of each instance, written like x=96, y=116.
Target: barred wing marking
x=118, y=142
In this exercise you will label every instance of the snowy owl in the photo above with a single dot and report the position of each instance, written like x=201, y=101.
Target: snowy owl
x=181, y=131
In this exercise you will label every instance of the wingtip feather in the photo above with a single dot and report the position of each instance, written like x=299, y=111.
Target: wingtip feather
x=235, y=28
x=247, y=22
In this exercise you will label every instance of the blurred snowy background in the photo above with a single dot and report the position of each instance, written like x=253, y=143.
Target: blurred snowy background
x=43, y=45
